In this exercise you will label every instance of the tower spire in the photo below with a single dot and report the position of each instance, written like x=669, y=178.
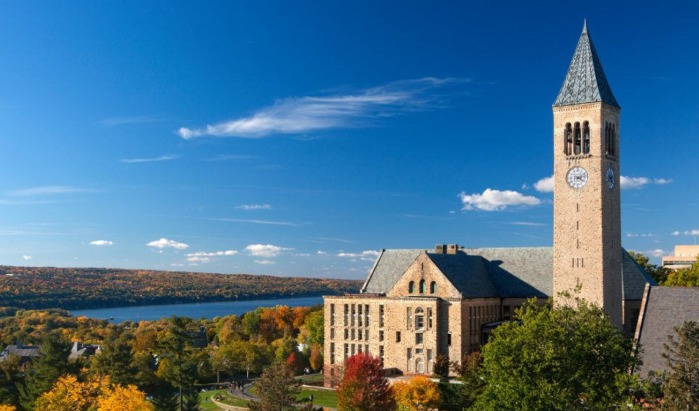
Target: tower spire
x=585, y=81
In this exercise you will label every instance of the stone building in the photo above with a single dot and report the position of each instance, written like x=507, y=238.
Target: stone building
x=417, y=304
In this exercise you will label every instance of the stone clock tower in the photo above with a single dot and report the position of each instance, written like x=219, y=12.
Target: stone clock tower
x=586, y=217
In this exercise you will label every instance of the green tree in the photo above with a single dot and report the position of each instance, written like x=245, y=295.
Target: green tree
x=277, y=389
x=688, y=277
x=470, y=374
x=116, y=361
x=659, y=273
x=313, y=329
x=568, y=357
x=178, y=359
x=681, y=388
x=45, y=369
x=441, y=366
x=363, y=386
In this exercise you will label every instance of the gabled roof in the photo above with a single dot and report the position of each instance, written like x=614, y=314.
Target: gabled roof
x=585, y=81
x=665, y=308
x=517, y=272
x=468, y=273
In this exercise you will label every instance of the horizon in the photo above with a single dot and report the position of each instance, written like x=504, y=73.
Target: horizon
x=300, y=140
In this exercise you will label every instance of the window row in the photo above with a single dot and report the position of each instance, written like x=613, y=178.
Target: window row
x=576, y=138
x=419, y=323
x=423, y=284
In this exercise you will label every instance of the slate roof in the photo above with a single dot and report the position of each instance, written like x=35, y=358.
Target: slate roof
x=665, y=308
x=585, y=81
x=518, y=272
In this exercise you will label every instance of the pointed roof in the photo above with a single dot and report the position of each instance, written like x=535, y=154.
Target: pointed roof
x=585, y=81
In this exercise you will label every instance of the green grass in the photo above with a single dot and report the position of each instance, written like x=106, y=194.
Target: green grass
x=311, y=378
x=322, y=398
x=208, y=405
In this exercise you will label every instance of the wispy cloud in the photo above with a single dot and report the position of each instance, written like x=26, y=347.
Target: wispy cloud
x=640, y=235
x=693, y=232
x=46, y=191
x=527, y=224
x=149, y=160
x=308, y=114
x=545, y=185
x=367, y=255
x=254, y=207
x=101, y=242
x=631, y=183
x=205, y=257
x=264, y=222
x=265, y=250
x=230, y=157
x=658, y=252
x=495, y=200
x=127, y=120
x=263, y=262
x=26, y=257
x=165, y=243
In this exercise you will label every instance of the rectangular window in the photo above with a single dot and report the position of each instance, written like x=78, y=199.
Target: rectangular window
x=410, y=317
x=359, y=318
x=419, y=322
x=418, y=338
x=346, y=334
x=449, y=339
x=506, y=312
x=332, y=353
x=418, y=351
x=346, y=351
x=359, y=348
x=354, y=315
x=381, y=354
x=409, y=353
x=380, y=335
x=381, y=312
x=366, y=335
x=353, y=333
x=366, y=315
x=346, y=314
x=429, y=318
x=397, y=336
x=332, y=333
x=332, y=314
x=359, y=335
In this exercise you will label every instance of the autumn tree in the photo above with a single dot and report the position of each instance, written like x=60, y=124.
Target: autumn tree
x=567, y=357
x=688, y=277
x=363, y=386
x=69, y=394
x=116, y=361
x=6, y=407
x=276, y=388
x=417, y=394
x=681, y=387
x=441, y=366
x=315, y=359
x=311, y=331
x=123, y=398
x=178, y=364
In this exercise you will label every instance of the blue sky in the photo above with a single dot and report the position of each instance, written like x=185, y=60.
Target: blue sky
x=291, y=138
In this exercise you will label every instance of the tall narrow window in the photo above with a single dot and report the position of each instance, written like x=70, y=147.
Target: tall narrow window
x=586, y=137
x=433, y=287
x=429, y=318
x=381, y=315
x=578, y=140
x=366, y=315
x=422, y=286
x=419, y=319
x=568, y=140
x=397, y=336
x=613, y=140
x=346, y=314
x=332, y=353
x=411, y=287
x=359, y=318
x=332, y=314
x=410, y=317
x=381, y=354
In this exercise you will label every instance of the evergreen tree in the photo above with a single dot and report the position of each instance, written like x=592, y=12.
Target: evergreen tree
x=116, y=361
x=277, y=389
x=45, y=369
x=681, y=388
x=178, y=360
x=165, y=399
x=191, y=400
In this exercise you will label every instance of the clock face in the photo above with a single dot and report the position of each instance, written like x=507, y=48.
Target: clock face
x=610, y=178
x=577, y=177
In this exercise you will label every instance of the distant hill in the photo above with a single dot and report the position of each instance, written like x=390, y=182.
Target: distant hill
x=80, y=288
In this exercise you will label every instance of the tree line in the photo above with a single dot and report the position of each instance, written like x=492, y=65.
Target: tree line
x=81, y=288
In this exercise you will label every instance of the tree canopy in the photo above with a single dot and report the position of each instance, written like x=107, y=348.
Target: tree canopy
x=681, y=387
x=363, y=386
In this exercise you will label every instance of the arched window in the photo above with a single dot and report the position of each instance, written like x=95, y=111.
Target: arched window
x=433, y=287
x=422, y=286
x=568, y=140
x=411, y=287
x=578, y=140
x=586, y=137
x=419, y=319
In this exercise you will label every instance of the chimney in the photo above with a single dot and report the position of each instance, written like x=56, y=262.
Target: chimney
x=440, y=249
x=452, y=249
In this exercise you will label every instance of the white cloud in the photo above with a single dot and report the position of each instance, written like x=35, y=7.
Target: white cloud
x=545, y=185
x=165, y=243
x=265, y=250
x=254, y=207
x=264, y=262
x=46, y=190
x=657, y=252
x=495, y=200
x=630, y=183
x=149, y=160
x=675, y=233
x=307, y=114
x=641, y=235
x=692, y=232
x=263, y=222
x=205, y=257
x=101, y=242
x=368, y=255
x=319, y=252
x=27, y=257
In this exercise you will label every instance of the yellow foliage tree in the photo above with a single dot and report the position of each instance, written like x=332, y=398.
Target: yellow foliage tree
x=4, y=407
x=69, y=394
x=417, y=394
x=120, y=398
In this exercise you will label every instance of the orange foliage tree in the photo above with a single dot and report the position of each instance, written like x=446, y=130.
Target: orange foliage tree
x=418, y=394
x=120, y=398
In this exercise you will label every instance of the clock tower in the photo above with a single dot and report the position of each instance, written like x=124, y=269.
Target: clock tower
x=587, y=215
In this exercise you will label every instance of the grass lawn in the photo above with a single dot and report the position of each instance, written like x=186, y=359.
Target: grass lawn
x=321, y=398
x=208, y=405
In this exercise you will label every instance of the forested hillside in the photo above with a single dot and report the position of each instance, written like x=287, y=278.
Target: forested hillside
x=76, y=288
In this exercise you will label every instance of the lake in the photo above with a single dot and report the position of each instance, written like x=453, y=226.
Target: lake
x=194, y=310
